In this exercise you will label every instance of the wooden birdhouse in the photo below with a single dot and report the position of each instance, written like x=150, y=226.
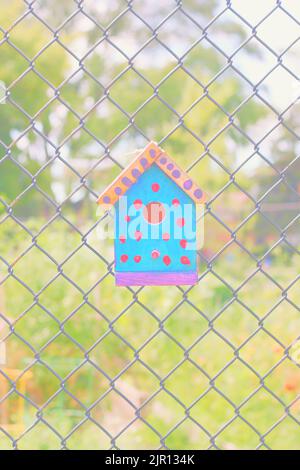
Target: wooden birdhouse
x=155, y=221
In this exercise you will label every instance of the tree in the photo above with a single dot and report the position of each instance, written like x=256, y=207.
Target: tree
x=94, y=96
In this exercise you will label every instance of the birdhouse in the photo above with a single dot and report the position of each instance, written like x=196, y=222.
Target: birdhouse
x=155, y=235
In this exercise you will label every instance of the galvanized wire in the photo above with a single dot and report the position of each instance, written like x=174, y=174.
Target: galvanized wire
x=32, y=9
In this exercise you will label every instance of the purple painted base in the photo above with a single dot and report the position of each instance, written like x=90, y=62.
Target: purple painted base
x=156, y=279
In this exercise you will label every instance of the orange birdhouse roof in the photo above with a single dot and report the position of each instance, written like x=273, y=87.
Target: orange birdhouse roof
x=152, y=153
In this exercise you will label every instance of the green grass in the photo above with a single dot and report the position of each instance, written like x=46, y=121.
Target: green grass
x=192, y=336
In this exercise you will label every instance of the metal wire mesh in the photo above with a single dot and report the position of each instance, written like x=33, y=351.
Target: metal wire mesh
x=208, y=266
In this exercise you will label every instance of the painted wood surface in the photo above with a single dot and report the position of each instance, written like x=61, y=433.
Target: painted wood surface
x=156, y=279
x=130, y=175
x=151, y=154
x=181, y=178
x=169, y=246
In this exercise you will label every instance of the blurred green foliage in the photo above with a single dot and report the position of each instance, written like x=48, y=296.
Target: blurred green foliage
x=53, y=91
x=49, y=319
x=63, y=109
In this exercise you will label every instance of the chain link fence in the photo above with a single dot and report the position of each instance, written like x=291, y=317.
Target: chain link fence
x=89, y=365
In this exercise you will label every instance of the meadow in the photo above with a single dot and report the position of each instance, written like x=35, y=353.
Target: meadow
x=210, y=365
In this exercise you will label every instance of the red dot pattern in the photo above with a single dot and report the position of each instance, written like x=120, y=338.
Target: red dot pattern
x=155, y=187
x=138, y=235
x=180, y=222
x=167, y=260
x=138, y=204
x=183, y=243
x=155, y=254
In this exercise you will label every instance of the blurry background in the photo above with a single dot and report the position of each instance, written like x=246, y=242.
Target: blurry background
x=86, y=365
